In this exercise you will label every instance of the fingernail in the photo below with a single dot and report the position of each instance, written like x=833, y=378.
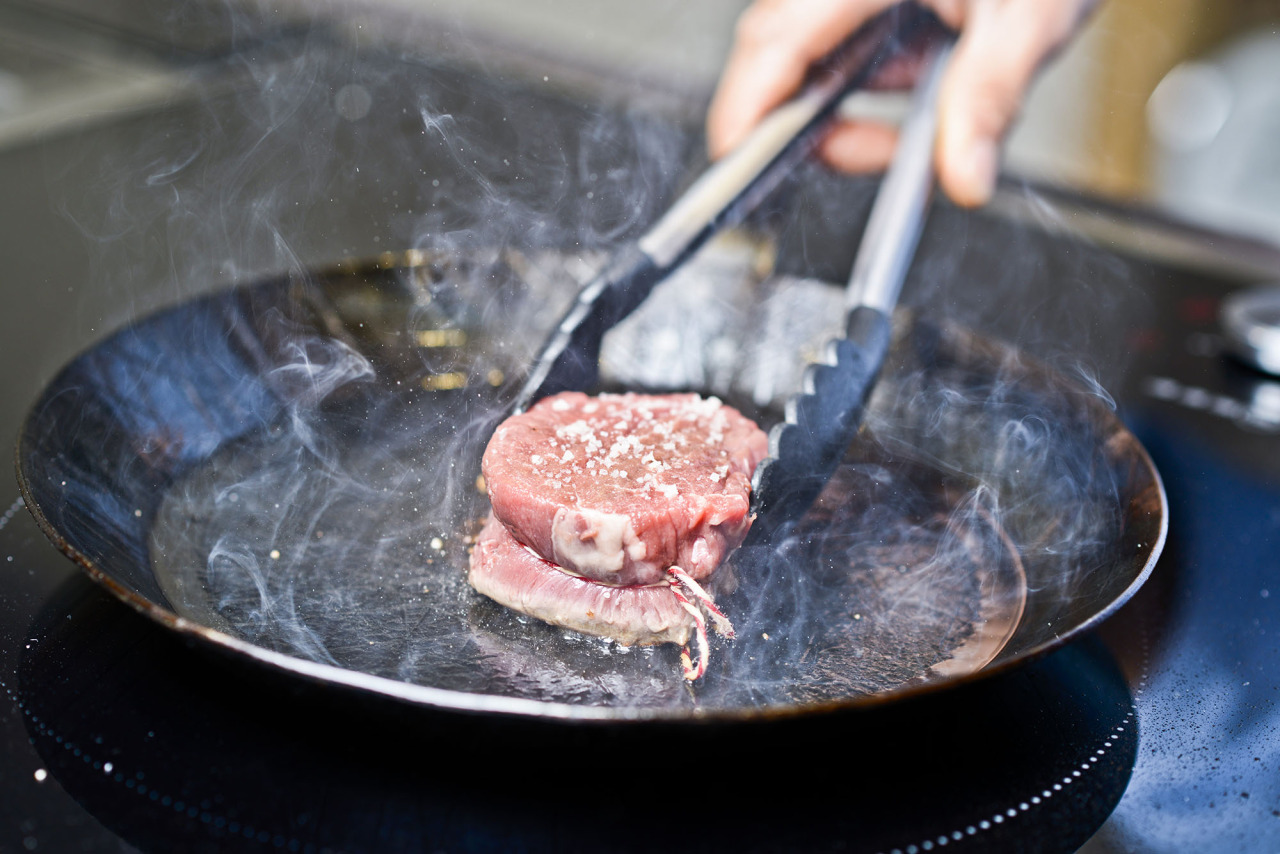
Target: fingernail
x=983, y=163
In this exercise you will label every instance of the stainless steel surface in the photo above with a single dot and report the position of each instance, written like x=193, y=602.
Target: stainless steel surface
x=51, y=84
x=897, y=217
x=1251, y=321
x=824, y=416
x=1211, y=125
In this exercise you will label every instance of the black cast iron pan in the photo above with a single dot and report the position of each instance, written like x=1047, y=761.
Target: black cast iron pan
x=288, y=472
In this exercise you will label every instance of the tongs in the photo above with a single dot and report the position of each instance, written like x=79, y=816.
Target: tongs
x=720, y=198
x=823, y=419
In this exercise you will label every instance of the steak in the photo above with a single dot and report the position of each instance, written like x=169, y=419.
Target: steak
x=618, y=488
x=512, y=575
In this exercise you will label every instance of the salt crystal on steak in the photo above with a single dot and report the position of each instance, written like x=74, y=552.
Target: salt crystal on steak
x=646, y=482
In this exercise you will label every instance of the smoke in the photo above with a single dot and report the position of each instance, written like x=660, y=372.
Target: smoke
x=337, y=529
x=981, y=491
x=317, y=369
x=276, y=610
x=298, y=143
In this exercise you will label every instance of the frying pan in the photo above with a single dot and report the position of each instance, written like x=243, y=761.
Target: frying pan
x=288, y=472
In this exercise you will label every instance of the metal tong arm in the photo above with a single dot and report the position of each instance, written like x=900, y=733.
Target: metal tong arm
x=738, y=182
x=897, y=217
x=721, y=197
x=822, y=420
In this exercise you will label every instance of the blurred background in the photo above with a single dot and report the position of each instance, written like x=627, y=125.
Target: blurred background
x=150, y=149
x=1167, y=101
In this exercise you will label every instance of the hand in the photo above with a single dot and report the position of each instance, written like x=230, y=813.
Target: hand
x=1001, y=44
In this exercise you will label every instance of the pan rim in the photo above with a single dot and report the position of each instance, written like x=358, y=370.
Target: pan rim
x=464, y=702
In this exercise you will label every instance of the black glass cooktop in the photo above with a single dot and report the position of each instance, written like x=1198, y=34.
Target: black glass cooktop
x=1158, y=733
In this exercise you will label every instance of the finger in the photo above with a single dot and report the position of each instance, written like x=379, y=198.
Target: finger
x=858, y=146
x=775, y=43
x=1003, y=43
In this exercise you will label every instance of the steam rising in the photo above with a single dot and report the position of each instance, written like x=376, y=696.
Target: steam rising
x=304, y=145
x=340, y=534
x=338, y=531
x=318, y=369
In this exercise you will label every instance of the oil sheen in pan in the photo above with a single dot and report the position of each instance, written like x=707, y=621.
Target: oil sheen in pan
x=346, y=544
x=291, y=467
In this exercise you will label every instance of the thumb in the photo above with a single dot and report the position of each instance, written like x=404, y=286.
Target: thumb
x=1002, y=44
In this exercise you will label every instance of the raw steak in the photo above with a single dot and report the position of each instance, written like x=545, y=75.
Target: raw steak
x=512, y=575
x=620, y=487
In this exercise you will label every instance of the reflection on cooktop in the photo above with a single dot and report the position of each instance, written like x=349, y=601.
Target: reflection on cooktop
x=168, y=746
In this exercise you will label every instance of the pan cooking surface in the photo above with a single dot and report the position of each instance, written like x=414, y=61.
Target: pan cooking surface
x=290, y=471
x=358, y=563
